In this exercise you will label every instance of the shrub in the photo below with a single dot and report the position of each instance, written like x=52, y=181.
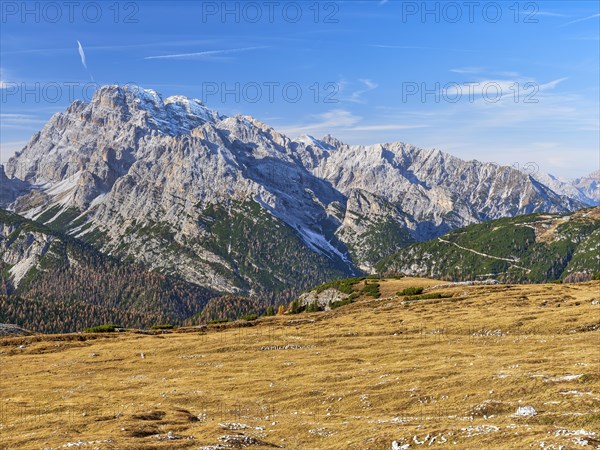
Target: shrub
x=313, y=307
x=596, y=276
x=411, y=291
x=270, y=311
x=427, y=296
x=249, y=317
x=294, y=307
x=371, y=290
x=166, y=326
x=345, y=285
x=219, y=321
x=107, y=328
x=338, y=303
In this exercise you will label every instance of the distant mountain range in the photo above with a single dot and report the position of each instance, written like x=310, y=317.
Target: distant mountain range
x=233, y=206
x=585, y=189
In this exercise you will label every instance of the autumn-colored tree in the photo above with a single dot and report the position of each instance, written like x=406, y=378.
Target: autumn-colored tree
x=280, y=310
x=294, y=307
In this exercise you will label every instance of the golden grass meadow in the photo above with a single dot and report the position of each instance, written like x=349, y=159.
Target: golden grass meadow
x=442, y=373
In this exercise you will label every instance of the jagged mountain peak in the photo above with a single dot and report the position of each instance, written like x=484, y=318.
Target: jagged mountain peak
x=177, y=186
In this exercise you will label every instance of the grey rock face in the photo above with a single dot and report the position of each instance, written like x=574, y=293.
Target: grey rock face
x=136, y=174
x=323, y=298
x=586, y=189
x=590, y=187
x=22, y=252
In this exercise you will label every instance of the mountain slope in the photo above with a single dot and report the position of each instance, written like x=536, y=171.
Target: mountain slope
x=585, y=189
x=231, y=204
x=54, y=283
x=590, y=186
x=532, y=248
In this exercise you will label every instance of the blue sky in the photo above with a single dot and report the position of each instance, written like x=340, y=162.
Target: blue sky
x=364, y=71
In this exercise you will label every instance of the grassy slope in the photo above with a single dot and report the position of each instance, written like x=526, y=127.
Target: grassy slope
x=357, y=377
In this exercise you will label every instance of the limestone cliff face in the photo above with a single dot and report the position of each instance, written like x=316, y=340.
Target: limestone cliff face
x=230, y=203
x=22, y=252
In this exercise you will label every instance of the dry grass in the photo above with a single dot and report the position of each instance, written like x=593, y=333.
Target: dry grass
x=358, y=377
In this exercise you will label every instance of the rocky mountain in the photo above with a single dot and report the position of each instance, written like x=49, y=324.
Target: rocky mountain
x=231, y=204
x=585, y=189
x=55, y=283
x=590, y=186
x=531, y=248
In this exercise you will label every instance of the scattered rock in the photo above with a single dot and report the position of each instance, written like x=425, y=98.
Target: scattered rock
x=82, y=443
x=241, y=440
x=323, y=432
x=478, y=430
x=170, y=437
x=397, y=446
x=563, y=378
x=525, y=411
x=487, y=408
x=234, y=426
x=285, y=347
x=497, y=333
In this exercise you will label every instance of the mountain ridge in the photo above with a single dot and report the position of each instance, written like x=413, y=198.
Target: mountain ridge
x=145, y=178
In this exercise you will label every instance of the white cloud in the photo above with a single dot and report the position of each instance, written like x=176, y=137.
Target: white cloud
x=204, y=54
x=336, y=118
x=368, y=85
x=21, y=121
x=468, y=70
x=82, y=54
x=593, y=16
x=496, y=90
x=343, y=122
x=483, y=70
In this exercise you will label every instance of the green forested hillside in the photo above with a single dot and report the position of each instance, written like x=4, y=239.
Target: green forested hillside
x=533, y=248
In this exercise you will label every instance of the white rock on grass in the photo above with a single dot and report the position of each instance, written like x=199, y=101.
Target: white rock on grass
x=525, y=411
